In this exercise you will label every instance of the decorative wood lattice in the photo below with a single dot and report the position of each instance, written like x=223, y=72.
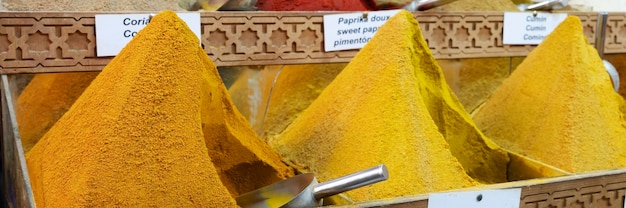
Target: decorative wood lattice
x=471, y=35
x=54, y=42
x=598, y=189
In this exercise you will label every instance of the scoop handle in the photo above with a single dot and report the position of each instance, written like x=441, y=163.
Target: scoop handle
x=352, y=181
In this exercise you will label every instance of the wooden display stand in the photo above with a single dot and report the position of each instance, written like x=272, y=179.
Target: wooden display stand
x=38, y=42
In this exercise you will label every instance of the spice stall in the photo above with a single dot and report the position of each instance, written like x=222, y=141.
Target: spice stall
x=414, y=103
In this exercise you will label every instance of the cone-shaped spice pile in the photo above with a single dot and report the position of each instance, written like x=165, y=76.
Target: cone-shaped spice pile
x=138, y=135
x=377, y=111
x=559, y=106
x=45, y=99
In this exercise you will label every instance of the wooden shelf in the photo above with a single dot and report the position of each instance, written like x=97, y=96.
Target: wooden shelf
x=32, y=42
x=593, y=189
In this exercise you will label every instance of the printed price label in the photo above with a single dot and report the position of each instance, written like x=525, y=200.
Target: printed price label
x=352, y=30
x=114, y=31
x=524, y=28
x=504, y=198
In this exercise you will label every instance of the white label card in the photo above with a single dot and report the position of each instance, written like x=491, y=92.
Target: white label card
x=352, y=30
x=504, y=198
x=524, y=28
x=114, y=31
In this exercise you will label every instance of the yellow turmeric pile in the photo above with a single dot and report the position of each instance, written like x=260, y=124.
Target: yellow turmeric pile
x=44, y=100
x=377, y=110
x=297, y=86
x=135, y=137
x=559, y=106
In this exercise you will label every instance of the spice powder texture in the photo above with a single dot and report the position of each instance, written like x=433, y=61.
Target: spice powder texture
x=482, y=159
x=44, y=100
x=244, y=161
x=134, y=137
x=559, y=106
x=373, y=113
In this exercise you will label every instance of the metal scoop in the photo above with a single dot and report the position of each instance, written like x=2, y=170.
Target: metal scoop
x=304, y=191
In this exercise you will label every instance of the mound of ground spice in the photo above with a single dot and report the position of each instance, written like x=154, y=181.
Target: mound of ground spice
x=134, y=138
x=559, y=106
x=376, y=112
x=44, y=100
x=49, y=96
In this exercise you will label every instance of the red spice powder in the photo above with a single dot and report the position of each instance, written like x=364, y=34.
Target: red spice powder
x=308, y=5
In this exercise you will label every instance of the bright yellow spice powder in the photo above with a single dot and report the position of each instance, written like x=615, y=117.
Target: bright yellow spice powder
x=559, y=106
x=297, y=86
x=480, y=156
x=44, y=100
x=134, y=138
x=373, y=113
x=243, y=160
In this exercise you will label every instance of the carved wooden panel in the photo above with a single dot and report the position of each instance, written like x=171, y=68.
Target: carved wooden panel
x=601, y=189
x=471, y=35
x=616, y=33
x=598, y=191
x=55, y=42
